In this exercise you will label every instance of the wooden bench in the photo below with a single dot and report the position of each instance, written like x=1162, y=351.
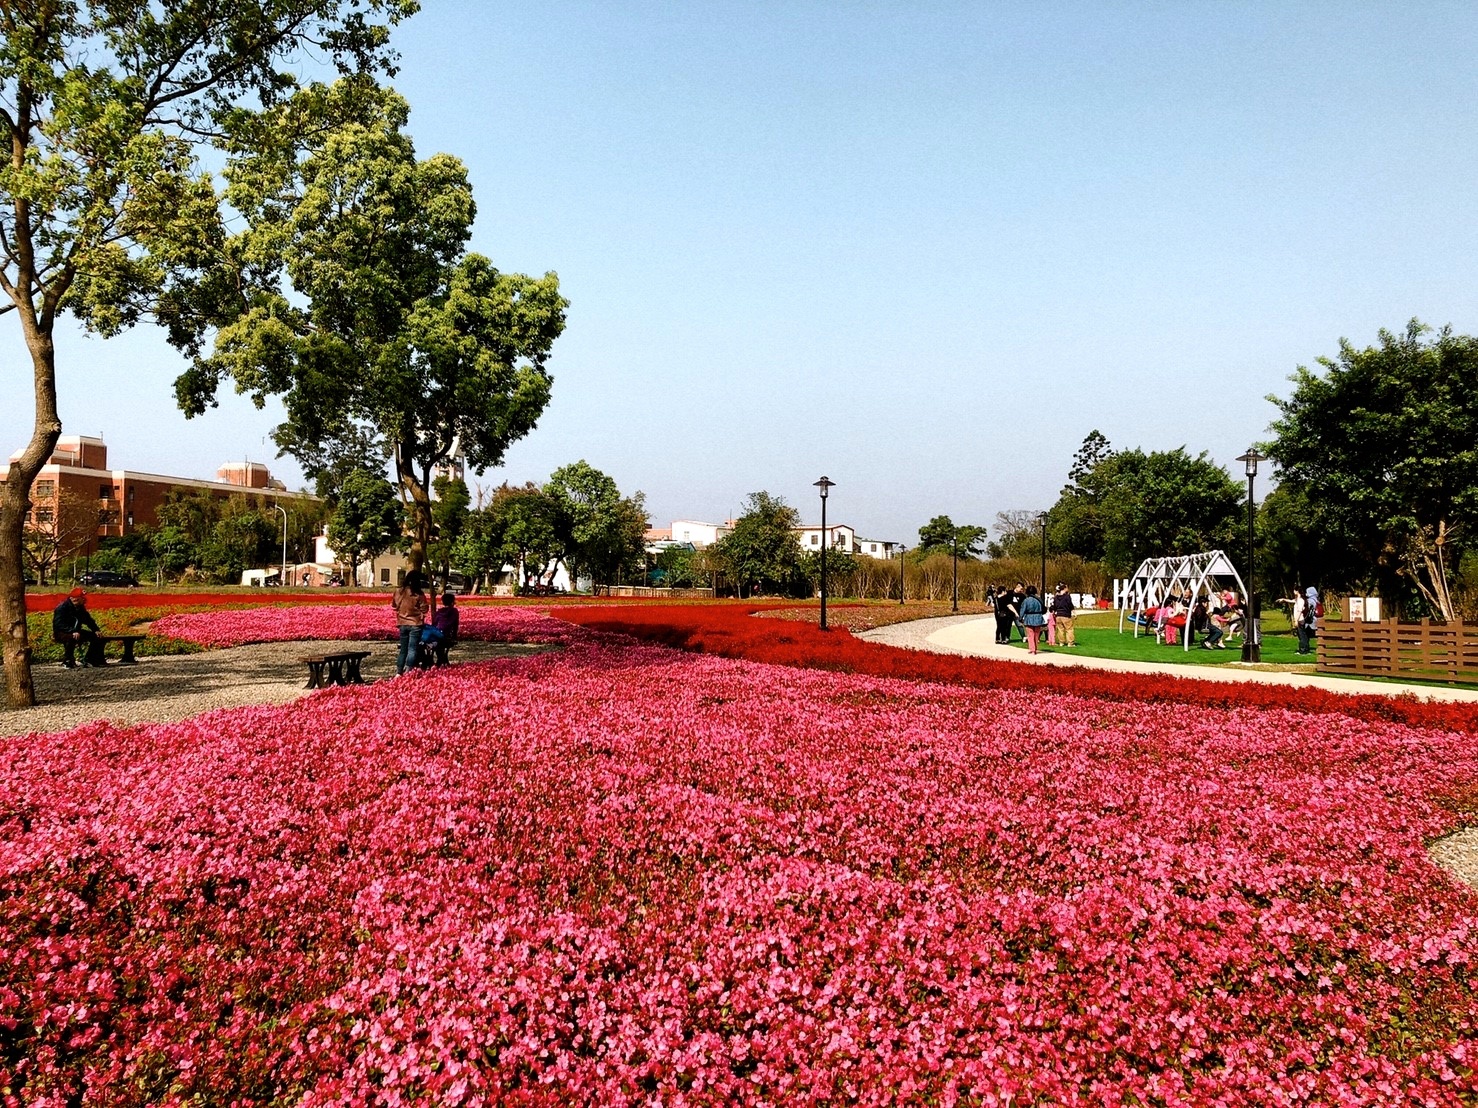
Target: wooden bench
x=340, y=668
x=127, y=640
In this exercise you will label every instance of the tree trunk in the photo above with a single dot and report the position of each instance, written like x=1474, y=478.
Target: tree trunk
x=15, y=501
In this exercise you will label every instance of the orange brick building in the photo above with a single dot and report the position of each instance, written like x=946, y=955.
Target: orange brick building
x=76, y=481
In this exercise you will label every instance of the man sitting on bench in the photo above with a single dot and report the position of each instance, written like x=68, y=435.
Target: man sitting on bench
x=441, y=636
x=72, y=623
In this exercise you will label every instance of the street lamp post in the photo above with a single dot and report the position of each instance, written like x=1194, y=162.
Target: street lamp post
x=282, y=578
x=1042, y=593
x=902, y=575
x=954, y=589
x=1252, y=634
x=824, y=485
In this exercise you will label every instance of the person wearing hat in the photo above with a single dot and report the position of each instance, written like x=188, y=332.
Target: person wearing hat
x=72, y=623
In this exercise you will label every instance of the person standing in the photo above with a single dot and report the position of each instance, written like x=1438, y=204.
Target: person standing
x=1311, y=619
x=71, y=624
x=409, y=602
x=1033, y=618
x=1062, y=611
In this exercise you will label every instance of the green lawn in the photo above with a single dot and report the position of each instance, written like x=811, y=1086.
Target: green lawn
x=1098, y=637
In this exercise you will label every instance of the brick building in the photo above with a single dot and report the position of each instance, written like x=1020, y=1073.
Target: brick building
x=77, y=492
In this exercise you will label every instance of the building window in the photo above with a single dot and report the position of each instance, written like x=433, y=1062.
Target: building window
x=385, y=576
x=105, y=491
x=43, y=515
x=400, y=577
x=815, y=540
x=130, y=519
x=45, y=490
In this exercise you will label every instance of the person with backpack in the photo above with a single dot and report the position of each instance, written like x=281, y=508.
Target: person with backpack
x=1313, y=610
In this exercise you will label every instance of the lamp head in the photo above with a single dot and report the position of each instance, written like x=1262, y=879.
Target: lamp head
x=825, y=485
x=1250, y=460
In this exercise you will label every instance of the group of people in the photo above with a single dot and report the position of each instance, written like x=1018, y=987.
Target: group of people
x=1023, y=609
x=1214, y=617
x=420, y=641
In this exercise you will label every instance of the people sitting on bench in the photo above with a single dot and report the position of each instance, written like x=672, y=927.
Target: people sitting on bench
x=71, y=624
x=441, y=636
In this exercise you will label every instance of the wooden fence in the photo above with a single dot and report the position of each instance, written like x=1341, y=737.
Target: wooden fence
x=651, y=593
x=1426, y=651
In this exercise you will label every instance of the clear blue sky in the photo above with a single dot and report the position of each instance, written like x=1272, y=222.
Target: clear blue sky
x=922, y=249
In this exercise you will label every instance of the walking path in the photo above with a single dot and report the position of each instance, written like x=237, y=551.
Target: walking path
x=976, y=636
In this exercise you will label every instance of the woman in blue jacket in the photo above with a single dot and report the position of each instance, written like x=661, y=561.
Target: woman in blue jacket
x=1032, y=618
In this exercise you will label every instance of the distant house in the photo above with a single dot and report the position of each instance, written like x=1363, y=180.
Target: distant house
x=843, y=537
x=698, y=533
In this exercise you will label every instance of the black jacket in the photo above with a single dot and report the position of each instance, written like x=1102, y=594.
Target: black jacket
x=68, y=619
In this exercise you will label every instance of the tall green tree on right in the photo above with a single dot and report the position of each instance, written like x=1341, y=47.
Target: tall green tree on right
x=1383, y=446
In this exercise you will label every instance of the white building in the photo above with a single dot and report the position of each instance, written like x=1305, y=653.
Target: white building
x=843, y=537
x=698, y=533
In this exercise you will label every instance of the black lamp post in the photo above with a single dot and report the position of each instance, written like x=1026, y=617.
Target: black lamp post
x=954, y=589
x=824, y=485
x=902, y=575
x=1042, y=588
x=1252, y=635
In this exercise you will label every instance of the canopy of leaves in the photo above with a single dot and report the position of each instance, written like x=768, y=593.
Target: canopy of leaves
x=1384, y=447
x=941, y=535
x=601, y=532
x=364, y=306
x=763, y=550
x=368, y=519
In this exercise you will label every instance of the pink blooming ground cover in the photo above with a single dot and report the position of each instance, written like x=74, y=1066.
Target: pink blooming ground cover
x=621, y=874
x=233, y=627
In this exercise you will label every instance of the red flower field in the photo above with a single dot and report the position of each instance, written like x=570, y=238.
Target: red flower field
x=621, y=874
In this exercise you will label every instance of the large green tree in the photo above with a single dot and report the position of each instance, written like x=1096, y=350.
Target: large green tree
x=601, y=532
x=105, y=211
x=942, y=535
x=1383, y=447
x=763, y=550
x=366, y=522
x=1165, y=502
x=366, y=308
x=449, y=514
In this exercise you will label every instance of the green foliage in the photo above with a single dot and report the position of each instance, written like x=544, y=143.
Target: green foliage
x=763, y=551
x=1165, y=503
x=600, y=532
x=368, y=520
x=106, y=209
x=1383, y=446
x=841, y=570
x=526, y=521
x=449, y=514
x=681, y=567
x=366, y=310
x=941, y=535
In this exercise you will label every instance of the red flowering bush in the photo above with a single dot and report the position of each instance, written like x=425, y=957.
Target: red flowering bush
x=620, y=874
x=730, y=631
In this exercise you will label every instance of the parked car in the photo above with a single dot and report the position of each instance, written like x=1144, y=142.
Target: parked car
x=107, y=579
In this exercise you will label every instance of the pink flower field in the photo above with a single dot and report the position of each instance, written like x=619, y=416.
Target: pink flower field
x=621, y=874
x=233, y=627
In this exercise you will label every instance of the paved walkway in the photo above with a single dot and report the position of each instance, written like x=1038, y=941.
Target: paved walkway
x=976, y=636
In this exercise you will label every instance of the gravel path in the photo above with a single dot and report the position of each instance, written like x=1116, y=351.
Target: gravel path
x=166, y=688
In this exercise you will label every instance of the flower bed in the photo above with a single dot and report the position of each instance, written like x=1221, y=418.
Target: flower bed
x=620, y=874
x=233, y=627
x=731, y=632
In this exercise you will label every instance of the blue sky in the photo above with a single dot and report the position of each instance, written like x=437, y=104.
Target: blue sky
x=923, y=249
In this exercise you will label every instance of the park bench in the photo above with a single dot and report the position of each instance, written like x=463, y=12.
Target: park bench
x=127, y=640
x=338, y=668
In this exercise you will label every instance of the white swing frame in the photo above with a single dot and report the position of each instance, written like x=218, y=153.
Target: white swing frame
x=1158, y=578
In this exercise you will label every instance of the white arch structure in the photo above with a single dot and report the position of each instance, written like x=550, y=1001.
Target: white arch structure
x=1158, y=578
